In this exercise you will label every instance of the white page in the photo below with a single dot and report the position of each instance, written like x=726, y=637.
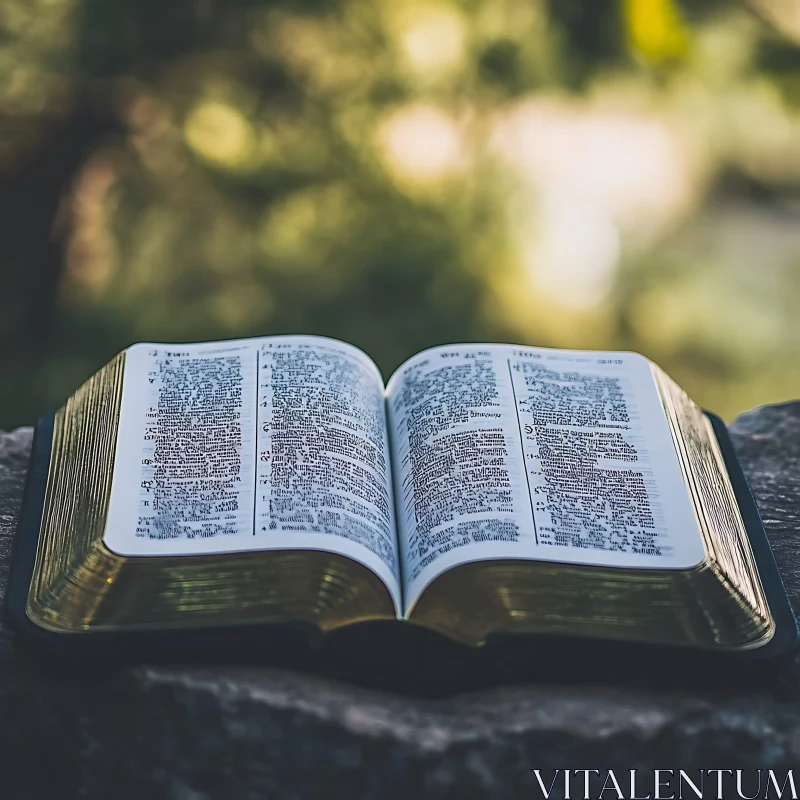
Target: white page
x=324, y=467
x=260, y=444
x=602, y=483
x=184, y=465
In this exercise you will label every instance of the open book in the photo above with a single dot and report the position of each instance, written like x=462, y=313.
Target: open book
x=485, y=489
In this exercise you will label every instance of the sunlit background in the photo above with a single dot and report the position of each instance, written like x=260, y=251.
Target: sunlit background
x=571, y=173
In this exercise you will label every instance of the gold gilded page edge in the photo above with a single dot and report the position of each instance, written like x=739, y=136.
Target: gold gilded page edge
x=666, y=389
x=77, y=521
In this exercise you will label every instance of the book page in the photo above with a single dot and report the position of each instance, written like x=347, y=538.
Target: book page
x=184, y=465
x=260, y=444
x=324, y=468
x=518, y=452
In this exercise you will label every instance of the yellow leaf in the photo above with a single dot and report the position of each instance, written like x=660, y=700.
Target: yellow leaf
x=655, y=29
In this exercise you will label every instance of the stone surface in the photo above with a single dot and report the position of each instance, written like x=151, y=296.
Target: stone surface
x=235, y=732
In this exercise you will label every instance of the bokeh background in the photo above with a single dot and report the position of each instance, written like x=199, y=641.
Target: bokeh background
x=402, y=173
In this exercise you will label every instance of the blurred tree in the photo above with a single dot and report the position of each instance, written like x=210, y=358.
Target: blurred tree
x=399, y=175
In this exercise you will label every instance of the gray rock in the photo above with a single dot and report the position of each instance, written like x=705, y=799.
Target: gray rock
x=15, y=449
x=233, y=732
x=767, y=441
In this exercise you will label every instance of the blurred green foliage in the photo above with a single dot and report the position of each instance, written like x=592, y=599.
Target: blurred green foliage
x=569, y=173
